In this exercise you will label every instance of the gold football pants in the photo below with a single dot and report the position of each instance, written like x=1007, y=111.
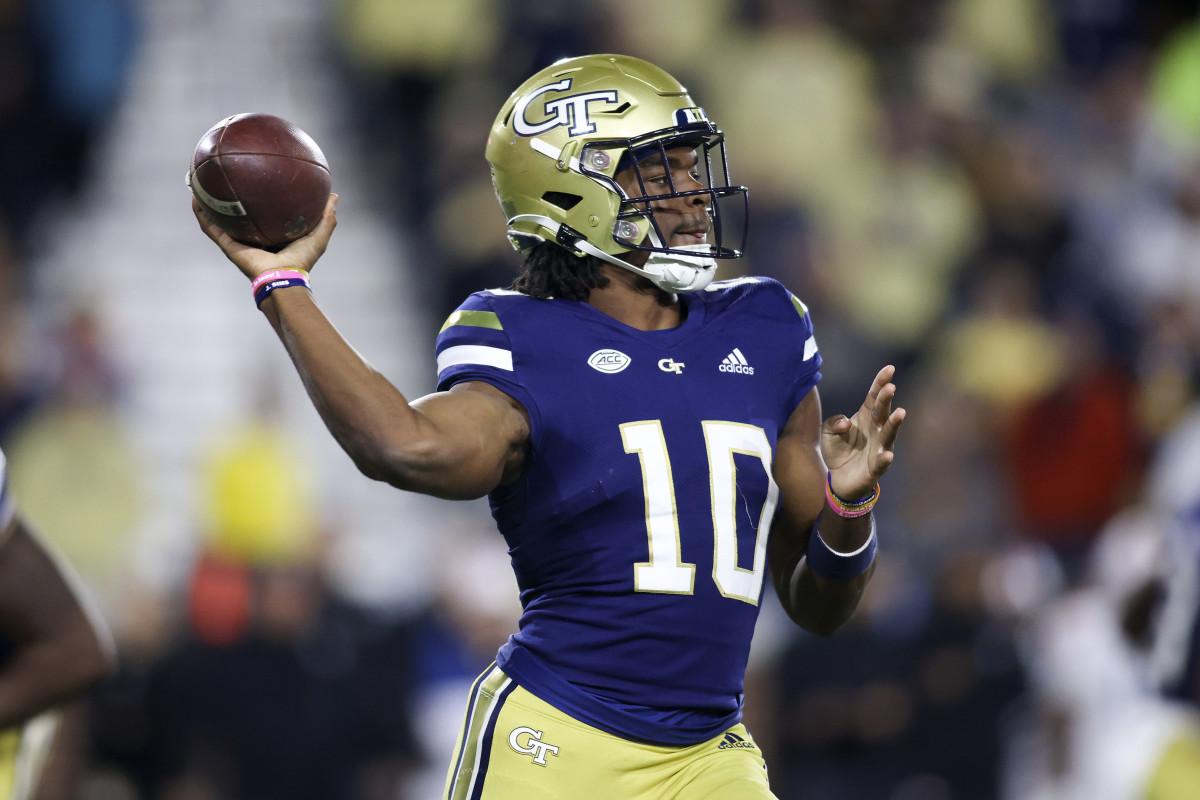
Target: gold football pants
x=514, y=746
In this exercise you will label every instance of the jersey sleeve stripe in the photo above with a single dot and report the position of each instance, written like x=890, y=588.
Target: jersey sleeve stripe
x=477, y=319
x=460, y=335
x=810, y=347
x=478, y=355
x=6, y=503
x=7, y=508
x=801, y=309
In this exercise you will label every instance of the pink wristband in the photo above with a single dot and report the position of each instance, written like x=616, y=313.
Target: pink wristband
x=844, y=509
x=275, y=275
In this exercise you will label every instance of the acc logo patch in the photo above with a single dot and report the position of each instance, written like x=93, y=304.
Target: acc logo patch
x=608, y=361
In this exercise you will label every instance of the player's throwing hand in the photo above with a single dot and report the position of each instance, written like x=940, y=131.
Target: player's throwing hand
x=253, y=261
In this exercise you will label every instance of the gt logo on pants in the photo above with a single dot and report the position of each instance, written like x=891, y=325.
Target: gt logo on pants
x=534, y=745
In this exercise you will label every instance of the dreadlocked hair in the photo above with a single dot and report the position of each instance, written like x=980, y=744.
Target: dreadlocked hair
x=551, y=270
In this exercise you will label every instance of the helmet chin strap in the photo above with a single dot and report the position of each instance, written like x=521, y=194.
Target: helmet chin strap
x=671, y=272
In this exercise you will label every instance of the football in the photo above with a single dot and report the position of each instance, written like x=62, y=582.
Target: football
x=262, y=179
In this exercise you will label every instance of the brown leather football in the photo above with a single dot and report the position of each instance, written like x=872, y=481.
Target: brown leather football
x=262, y=179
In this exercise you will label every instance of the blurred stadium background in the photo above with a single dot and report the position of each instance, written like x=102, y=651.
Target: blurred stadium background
x=1000, y=196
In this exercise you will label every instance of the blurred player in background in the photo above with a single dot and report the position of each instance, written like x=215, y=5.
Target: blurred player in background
x=54, y=647
x=638, y=430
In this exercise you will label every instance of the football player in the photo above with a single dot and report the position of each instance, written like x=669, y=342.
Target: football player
x=650, y=441
x=54, y=647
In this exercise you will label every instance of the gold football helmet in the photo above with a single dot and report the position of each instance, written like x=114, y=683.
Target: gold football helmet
x=559, y=141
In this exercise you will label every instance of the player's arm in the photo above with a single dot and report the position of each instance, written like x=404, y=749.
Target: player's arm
x=458, y=444
x=65, y=754
x=854, y=452
x=60, y=646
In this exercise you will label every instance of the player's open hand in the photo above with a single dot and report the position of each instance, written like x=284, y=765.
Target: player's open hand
x=253, y=261
x=858, y=449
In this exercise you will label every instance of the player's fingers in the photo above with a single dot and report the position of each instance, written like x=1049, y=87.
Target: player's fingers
x=206, y=224
x=328, y=218
x=882, y=378
x=305, y=251
x=891, y=428
x=250, y=260
x=837, y=423
x=882, y=408
x=211, y=229
x=882, y=463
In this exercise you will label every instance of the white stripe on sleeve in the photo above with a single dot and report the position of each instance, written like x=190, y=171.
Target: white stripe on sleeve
x=475, y=354
x=6, y=503
x=810, y=347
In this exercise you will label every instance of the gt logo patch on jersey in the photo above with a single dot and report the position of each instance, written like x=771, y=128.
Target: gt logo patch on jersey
x=571, y=110
x=671, y=365
x=533, y=744
x=609, y=362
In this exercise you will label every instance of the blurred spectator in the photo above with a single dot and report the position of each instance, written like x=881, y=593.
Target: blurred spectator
x=87, y=48
x=1094, y=728
x=1000, y=349
x=63, y=69
x=879, y=710
x=1025, y=216
x=1009, y=43
x=899, y=230
x=1176, y=73
x=20, y=394
x=271, y=667
x=1068, y=481
x=1173, y=621
x=1158, y=259
x=951, y=496
x=77, y=438
x=473, y=610
x=798, y=110
x=309, y=703
x=675, y=31
x=401, y=57
x=481, y=261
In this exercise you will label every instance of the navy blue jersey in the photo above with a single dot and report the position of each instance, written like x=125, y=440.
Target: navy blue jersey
x=638, y=528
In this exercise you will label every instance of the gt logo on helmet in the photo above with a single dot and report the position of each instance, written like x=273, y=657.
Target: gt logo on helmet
x=571, y=110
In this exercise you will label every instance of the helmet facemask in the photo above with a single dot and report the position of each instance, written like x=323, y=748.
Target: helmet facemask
x=637, y=226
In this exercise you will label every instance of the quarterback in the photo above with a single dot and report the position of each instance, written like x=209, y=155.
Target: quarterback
x=650, y=441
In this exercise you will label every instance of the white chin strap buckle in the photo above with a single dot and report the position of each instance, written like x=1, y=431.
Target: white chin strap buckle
x=676, y=272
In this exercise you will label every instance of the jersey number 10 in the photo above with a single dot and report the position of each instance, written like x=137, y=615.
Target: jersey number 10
x=666, y=571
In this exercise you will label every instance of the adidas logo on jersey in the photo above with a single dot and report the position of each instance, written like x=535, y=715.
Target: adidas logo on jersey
x=736, y=362
x=732, y=740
